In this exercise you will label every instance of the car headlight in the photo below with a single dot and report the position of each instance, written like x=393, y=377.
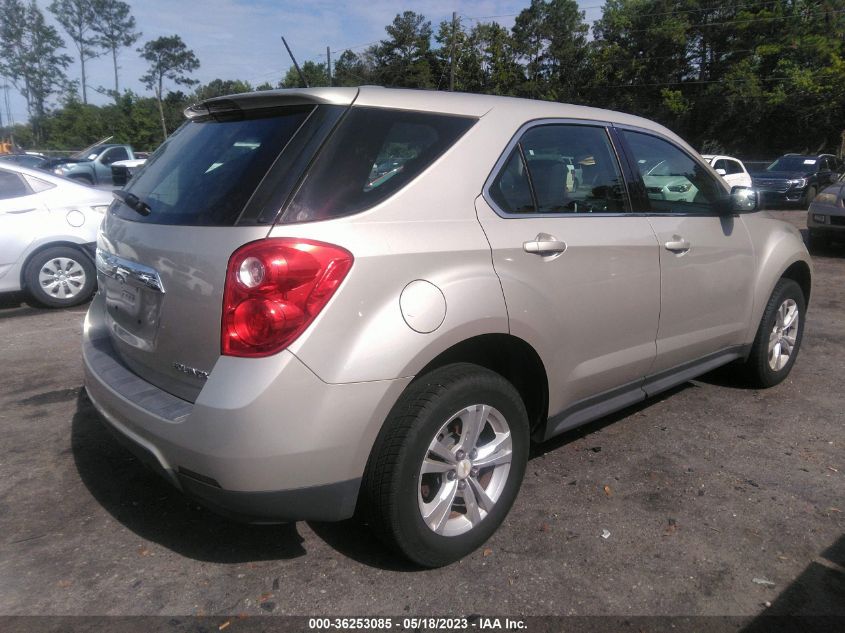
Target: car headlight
x=798, y=182
x=680, y=188
x=826, y=198
x=100, y=208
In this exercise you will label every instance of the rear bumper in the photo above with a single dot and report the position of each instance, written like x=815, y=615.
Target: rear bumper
x=266, y=441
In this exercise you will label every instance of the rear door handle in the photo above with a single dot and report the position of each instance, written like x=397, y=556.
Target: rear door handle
x=677, y=244
x=544, y=244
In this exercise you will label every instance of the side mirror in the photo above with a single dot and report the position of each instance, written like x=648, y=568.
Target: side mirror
x=721, y=172
x=744, y=199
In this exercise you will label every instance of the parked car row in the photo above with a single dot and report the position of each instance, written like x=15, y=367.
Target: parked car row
x=100, y=164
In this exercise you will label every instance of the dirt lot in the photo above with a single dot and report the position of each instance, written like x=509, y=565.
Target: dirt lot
x=703, y=490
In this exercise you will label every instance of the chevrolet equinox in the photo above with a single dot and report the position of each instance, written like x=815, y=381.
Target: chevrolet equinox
x=317, y=303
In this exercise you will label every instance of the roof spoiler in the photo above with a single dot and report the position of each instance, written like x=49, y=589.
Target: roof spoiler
x=271, y=99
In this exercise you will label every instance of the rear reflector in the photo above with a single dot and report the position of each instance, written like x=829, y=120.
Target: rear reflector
x=274, y=290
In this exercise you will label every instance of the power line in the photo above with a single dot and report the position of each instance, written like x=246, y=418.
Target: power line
x=693, y=82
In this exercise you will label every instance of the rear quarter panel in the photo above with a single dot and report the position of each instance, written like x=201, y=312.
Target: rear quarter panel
x=427, y=231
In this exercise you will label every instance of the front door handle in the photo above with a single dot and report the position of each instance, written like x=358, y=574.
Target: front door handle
x=17, y=211
x=544, y=244
x=677, y=244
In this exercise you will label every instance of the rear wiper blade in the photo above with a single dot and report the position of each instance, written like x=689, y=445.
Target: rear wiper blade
x=132, y=201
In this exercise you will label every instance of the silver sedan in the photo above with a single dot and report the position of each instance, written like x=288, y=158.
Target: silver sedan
x=48, y=229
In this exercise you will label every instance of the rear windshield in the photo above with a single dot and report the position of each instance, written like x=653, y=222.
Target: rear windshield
x=205, y=173
x=373, y=154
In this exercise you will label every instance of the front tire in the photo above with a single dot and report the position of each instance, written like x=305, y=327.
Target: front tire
x=60, y=277
x=779, y=336
x=809, y=196
x=448, y=464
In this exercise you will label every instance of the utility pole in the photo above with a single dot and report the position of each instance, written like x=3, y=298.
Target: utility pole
x=295, y=65
x=452, y=53
x=329, y=65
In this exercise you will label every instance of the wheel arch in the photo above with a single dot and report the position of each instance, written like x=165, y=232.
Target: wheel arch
x=799, y=271
x=512, y=358
x=79, y=246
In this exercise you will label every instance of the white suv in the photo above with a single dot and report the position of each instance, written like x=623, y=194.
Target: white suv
x=286, y=332
x=731, y=169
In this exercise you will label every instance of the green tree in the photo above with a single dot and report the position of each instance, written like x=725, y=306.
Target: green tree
x=77, y=19
x=30, y=57
x=405, y=59
x=351, y=69
x=169, y=58
x=550, y=37
x=220, y=88
x=114, y=28
x=315, y=74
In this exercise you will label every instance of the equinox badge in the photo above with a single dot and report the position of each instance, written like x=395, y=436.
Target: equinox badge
x=191, y=371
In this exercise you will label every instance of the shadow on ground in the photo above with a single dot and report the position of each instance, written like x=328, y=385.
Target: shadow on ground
x=814, y=601
x=146, y=504
x=150, y=507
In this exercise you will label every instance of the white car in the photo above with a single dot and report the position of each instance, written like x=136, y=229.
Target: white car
x=48, y=232
x=729, y=168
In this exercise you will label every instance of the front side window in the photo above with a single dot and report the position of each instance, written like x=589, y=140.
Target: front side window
x=12, y=186
x=674, y=182
x=373, y=154
x=733, y=167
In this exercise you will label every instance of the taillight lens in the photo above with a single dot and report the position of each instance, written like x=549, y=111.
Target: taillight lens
x=274, y=290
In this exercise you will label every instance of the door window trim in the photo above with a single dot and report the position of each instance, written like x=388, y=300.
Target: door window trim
x=501, y=162
x=639, y=186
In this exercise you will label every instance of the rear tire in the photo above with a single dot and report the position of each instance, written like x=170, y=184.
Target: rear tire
x=423, y=494
x=60, y=277
x=779, y=336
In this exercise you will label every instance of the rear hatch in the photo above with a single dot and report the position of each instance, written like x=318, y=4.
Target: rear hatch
x=214, y=185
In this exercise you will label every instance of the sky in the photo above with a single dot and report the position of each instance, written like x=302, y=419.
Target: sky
x=241, y=39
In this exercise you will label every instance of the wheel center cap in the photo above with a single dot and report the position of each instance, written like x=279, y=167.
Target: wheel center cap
x=463, y=469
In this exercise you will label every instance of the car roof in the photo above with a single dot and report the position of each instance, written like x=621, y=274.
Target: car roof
x=457, y=103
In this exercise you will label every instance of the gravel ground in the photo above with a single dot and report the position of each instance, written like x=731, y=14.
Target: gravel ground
x=702, y=490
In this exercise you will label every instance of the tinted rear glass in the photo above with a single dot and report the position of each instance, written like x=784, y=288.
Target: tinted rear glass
x=374, y=153
x=205, y=173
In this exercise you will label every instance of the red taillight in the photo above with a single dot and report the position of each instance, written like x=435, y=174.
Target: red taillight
x=274, y=289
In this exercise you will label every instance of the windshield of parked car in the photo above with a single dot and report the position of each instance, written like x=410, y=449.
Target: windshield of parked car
x=793, y=163
x=205, y=173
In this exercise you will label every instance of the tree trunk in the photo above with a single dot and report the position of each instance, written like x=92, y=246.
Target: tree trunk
x=114, y=59
x=161, y=110
x=84, y=87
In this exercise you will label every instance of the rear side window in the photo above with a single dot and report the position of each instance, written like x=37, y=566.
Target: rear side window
x=12, y=186
x=205, y=173
x=511, y=190
x=373, y=154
